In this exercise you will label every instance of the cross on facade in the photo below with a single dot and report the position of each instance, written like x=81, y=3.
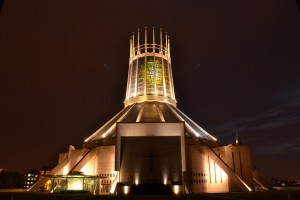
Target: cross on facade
x=151, y=156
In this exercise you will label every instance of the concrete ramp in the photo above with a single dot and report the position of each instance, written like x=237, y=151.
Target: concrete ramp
x=261, y=183
x=232, y=175
x=54, y=171
x=73, y=167
x=90, y=154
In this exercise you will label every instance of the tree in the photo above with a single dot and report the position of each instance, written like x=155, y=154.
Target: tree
x=11, y=180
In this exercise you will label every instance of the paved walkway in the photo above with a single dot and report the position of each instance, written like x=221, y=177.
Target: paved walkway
x=277, y=195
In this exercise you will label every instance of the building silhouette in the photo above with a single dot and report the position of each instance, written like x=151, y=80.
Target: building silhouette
x=30, y=178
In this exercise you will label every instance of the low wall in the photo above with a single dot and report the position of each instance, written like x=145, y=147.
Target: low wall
x=13, y=190
x=288, y=188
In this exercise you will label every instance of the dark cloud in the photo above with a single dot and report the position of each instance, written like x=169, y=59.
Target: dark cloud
x=269, y=119
x=285, y=109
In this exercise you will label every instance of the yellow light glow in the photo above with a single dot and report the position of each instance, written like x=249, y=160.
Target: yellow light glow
x=108, y=131
x=136, y=178
x=218, y=174
x=75, y=184
x=224, y=175
x=248, y=188
x=136, y=181
x=126, y=189
x=212, y=169
x=85, y=170
x=47, y=185
x=165, y=181
x=113, y=187
x=189, y=127
x=165, y=178
x=176, y=189
x=65, y=170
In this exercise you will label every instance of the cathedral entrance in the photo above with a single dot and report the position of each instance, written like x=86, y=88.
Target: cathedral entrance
x=150, y=153
x=150, y=159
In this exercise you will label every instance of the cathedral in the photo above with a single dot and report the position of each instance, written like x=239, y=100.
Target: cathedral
x=150, y=142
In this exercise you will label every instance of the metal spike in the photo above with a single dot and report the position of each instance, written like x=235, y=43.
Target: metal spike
x=153, y=39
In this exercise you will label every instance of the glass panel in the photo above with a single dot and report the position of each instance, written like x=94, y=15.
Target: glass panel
x=150, y=71
x=67, y=184
x=140, y=87
x=133, y=79
x=62, y=185
x=166, y=68
x=159, y=77
x=150, y=75
x=75, y=184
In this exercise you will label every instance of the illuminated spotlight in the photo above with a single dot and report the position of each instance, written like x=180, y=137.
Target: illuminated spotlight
x=136, y=178
x=165, y=181
x=165, y=178
x=176, y=189
x=126, y=189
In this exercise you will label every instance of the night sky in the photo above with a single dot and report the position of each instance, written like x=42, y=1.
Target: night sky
x=236, y=67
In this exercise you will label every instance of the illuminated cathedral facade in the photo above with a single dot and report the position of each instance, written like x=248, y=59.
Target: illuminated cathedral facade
x=150, y=141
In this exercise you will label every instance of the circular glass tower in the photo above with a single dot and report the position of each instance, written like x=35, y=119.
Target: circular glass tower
x=150, y=72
